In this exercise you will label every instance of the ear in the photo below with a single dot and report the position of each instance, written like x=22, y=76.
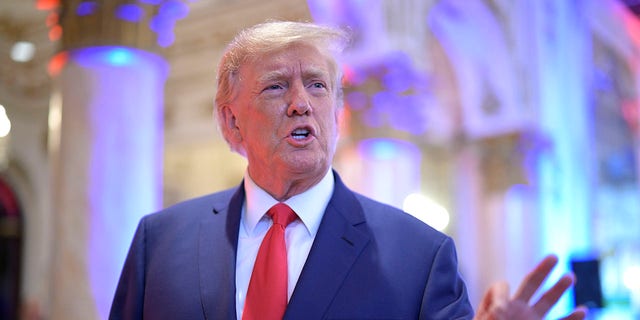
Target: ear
x=230, y=125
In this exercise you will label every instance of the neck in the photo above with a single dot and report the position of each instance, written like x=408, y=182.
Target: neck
x=283, y=188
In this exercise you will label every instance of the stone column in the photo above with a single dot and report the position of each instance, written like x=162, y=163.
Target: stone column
x=564, y=171
x=106, y=138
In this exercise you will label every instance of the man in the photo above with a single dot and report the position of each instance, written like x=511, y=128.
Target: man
x=347, y=257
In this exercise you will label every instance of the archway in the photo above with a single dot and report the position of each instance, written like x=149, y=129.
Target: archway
x=10, y=252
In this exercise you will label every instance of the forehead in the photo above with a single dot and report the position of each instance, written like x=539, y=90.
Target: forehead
x=291, y=59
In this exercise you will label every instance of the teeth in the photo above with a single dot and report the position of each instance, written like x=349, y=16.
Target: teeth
x=300, y=133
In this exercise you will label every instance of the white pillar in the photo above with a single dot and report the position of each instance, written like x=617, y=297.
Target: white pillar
x=107, y=170
x=564, y=169
x=468, y=203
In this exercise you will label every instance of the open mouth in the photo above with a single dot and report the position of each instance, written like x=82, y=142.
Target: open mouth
x=300, y=134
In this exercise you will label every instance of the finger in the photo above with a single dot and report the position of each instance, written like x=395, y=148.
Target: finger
x=534, y=279
x=579, y=313
x=498, y=294
x=551, y=296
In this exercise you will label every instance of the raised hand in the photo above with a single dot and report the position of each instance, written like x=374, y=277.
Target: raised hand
x=498, y=305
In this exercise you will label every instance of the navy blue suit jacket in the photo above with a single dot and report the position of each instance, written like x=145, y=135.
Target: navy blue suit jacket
x=368, y=261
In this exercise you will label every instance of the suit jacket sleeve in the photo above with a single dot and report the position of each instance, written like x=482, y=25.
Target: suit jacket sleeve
x=128, y=299
x=445, y=295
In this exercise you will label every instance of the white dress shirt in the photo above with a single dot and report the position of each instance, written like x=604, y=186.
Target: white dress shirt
x=299, y=235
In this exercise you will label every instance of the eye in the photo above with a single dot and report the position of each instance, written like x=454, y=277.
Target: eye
x=318, y=85
x=273, y=87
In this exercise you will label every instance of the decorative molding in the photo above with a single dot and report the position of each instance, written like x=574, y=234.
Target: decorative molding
x=24, y=81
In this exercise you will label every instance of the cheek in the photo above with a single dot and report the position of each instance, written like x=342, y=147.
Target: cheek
x=331, y=127
x=334, y=120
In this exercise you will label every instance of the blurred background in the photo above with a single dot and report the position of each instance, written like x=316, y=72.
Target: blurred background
x=511, y=125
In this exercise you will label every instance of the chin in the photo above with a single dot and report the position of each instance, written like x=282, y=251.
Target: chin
x=309, y=166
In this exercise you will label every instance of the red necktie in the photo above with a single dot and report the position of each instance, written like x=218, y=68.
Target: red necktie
x=267, y=293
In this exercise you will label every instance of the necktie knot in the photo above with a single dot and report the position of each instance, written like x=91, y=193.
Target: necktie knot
x=282, y=214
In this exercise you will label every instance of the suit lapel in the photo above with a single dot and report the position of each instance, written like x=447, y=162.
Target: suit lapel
x=218, y=242
x=340, y=239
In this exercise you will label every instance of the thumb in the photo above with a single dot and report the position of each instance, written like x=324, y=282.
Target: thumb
x=496, y=297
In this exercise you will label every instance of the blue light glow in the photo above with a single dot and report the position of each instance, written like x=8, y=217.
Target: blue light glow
x=391, y=169
x=86, y=8
x=119, y=56
x=129, y=12
x=107, y=55
x=386, y=149
x=383, y=149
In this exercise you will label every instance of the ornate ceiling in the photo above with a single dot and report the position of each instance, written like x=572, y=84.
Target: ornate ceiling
x=27, y=82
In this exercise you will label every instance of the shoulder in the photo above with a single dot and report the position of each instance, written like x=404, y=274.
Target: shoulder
x=192, y=209
x=397, y=225
x=179, y=223
x=383, y=220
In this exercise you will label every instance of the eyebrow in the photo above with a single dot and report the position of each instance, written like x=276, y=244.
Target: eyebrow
x=314, y=72
x=310, y=72
x=272, y=75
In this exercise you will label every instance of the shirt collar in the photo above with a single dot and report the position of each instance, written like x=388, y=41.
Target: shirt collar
x=309, y=205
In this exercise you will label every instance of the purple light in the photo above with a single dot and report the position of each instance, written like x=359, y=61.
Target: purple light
x=164, y=22
x=86, y=8
x=165, y=39
x=408, y=114
x=158, y=24
x=400, y=75
x=357, y=100
x=173, y=10
x=129, y=12
x=163, y=27
x=405, y=100
x=122, y=95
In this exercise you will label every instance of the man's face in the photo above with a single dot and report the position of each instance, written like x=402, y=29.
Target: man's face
x=286, y=114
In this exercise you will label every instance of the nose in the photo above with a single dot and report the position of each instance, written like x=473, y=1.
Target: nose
x=299, y=101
